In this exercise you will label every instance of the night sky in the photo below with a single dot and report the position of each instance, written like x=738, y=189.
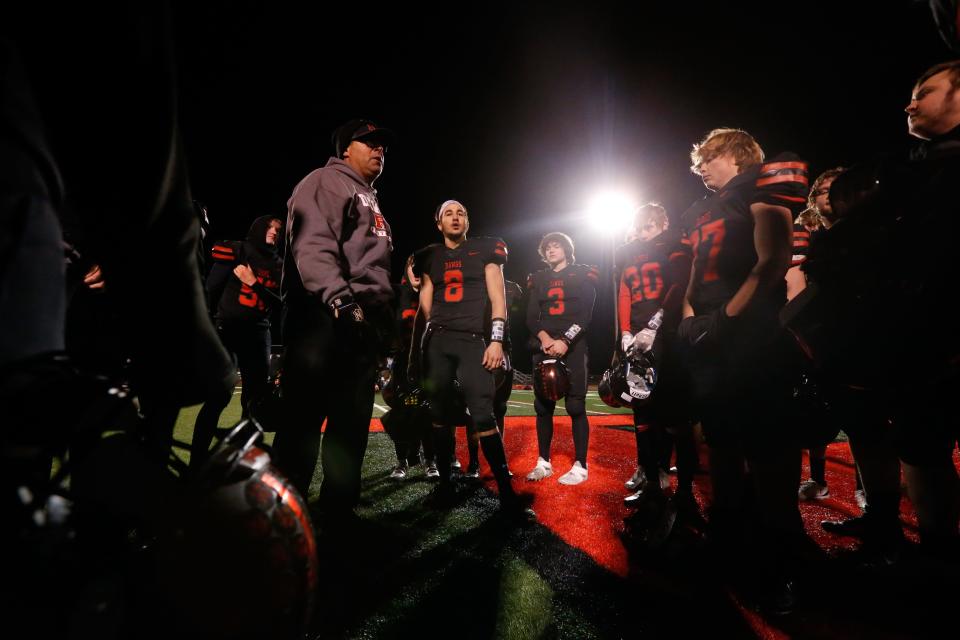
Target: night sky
x=522, y=112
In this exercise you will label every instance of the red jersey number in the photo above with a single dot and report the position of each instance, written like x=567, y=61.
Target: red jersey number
x=645, y=283
x=248, y=297
x=556, y=295
x=711, y=235
x=453, y=285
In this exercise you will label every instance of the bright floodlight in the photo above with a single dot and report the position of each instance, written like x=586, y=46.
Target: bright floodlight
x=611, y=211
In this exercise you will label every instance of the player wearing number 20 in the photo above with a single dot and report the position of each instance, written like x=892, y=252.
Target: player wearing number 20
x=558, y=313
x=460, y=276
x=654, y=271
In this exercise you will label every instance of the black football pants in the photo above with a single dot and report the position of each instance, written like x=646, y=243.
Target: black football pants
x=575, y=403
x=249, y=343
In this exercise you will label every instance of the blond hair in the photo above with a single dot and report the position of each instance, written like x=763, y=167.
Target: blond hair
x=737, y=142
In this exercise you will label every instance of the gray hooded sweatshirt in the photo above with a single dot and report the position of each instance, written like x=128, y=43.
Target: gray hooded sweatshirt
x=338, y=242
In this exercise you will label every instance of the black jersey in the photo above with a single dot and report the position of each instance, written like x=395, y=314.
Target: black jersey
x=561, y=302
x=231, y=298
x=649, y=270
x=408, y=302
x=460, y=283
x=720, y=228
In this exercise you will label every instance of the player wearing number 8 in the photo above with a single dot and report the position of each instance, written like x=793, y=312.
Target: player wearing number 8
x=459, y=278
x=739, y=357
x=558, y=313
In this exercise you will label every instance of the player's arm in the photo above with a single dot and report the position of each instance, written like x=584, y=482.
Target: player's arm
x=493, y=355
x=623, y=311
x=581, y=320
x=419, y=324
x=679, y=267
x=772, y=233
x=796, y=282
x=426, y=296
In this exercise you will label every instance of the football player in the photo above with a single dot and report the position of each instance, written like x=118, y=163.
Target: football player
x=558, y=314
x=244, y=289
x=654, y=271
x=737, y=352
x=459, y=277
x=410, y=433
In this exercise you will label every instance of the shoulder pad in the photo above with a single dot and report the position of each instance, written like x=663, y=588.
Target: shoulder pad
x=782, y=180
x=493, y=249
x=591, y=271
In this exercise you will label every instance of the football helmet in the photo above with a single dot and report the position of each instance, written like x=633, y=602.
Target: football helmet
x=629, y=382
x=239, y=522
x=551, y=379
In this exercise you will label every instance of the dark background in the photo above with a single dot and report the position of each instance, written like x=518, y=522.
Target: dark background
x=522, y=112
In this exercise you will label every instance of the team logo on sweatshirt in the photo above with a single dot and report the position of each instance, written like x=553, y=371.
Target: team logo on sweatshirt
x=369, y=202
x=379, y=227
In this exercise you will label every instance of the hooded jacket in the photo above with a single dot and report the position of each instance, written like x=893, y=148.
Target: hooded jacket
x=229, y=297
x=338, y=242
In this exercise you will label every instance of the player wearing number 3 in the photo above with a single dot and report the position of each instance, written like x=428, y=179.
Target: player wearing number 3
x=459, y=277
x=558, y=313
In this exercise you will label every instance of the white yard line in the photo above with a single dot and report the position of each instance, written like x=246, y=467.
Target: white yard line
x=381, y=407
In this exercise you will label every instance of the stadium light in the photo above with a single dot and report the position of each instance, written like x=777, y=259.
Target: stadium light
x=611, y=212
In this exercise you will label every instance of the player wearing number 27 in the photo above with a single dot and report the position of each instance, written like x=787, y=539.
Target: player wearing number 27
x=738, y=355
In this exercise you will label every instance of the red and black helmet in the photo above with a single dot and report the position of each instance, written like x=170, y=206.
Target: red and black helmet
x=551, y=379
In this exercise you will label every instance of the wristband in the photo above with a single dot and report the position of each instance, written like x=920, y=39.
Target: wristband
x=498, y=328
x=572, y=332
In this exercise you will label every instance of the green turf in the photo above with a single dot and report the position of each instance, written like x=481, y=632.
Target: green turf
x=404, y=564
x=520, y=404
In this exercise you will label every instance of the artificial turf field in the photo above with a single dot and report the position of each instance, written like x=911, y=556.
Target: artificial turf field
x=404, y=570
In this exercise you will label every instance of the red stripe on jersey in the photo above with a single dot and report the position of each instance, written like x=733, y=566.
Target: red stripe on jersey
x=800, y=243
x=223, y=256
x=500, y=252
x=776, y=166
x=677, y=254
x=220, y=247
x=792, y=177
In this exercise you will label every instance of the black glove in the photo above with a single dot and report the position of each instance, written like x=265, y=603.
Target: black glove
x=709, y=331
x=346, y=309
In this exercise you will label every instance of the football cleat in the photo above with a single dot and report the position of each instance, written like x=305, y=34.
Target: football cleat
x=543, y=470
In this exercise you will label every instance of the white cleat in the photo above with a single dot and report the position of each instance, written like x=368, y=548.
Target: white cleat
x=637, y=479
x=576, y=475
x=541, y=471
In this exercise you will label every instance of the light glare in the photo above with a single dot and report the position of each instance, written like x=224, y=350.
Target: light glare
x=611, y=211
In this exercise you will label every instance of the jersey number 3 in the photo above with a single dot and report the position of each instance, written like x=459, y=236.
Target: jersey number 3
x=453, y=285
x=556, y=296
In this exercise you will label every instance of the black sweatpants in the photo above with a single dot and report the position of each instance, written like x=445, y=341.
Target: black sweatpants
x=329, y=371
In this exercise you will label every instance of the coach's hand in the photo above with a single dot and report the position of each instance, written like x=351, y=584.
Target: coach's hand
x=493, y=356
